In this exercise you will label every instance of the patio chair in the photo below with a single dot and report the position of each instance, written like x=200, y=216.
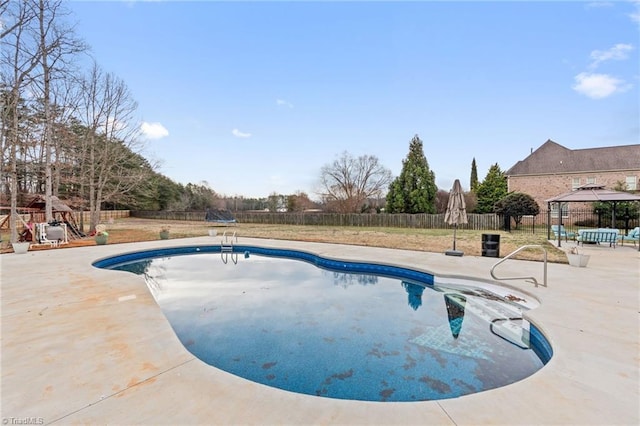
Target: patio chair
x=633, y=235
x=563, y=232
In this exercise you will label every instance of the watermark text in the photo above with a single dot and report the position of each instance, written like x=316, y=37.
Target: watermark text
x=22, y=421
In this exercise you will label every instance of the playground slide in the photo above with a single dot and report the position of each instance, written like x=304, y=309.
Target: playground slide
x=75, y=231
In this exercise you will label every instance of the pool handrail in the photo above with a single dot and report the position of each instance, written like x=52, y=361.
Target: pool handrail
x=520, y=278
x=234, y=236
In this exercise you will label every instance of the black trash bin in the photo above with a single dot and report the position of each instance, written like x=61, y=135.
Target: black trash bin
x=491, y=245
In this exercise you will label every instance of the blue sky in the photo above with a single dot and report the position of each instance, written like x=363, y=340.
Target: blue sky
x=255, y=97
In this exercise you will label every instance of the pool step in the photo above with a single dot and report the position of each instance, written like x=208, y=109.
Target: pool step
x=505, y=320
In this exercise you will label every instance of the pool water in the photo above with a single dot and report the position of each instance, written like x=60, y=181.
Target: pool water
x=292, y=325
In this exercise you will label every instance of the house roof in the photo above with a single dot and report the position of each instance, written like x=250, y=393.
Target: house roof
x=592, y=192
x=552, y=157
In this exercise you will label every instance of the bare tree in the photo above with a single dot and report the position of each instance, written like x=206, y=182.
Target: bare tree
x=7, y=26
x=20, y=56
x=64, y=104
x=348, y=182
x=110, y=137
x=57, y=43
x=36, y=48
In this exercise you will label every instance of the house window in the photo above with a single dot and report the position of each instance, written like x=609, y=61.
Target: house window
x=632, y=183
x=575, y=183
x=591, y=180
x=563, y=206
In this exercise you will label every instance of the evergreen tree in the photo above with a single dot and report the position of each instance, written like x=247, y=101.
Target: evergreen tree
x=414, y=191
x=491, y=190
x=473, y=184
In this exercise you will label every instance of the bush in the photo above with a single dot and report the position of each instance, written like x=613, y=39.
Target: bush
x=516, y=205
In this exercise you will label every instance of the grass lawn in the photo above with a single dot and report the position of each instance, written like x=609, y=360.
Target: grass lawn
x=128, y=230
x=430, y=240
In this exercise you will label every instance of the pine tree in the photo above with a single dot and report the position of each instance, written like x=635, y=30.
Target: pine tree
x=491, y=190
x=473, y=184
x=414, y=191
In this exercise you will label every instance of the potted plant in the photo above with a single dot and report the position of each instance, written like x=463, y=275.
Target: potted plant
x=101, y=235
x=164, y=233
x=20, y=247
x=577, y=259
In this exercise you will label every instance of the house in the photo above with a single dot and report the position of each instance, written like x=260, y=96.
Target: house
x=553, y=169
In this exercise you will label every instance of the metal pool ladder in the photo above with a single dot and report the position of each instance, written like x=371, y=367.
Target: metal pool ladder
x=226, y=237
x=226, y=247
x=520, y=278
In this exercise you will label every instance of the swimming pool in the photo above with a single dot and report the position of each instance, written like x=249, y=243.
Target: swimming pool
x=331, y=328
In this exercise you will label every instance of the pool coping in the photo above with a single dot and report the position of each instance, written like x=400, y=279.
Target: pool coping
x=83, y=345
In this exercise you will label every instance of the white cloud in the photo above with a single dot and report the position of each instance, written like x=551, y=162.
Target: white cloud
x=598, y=86
x=132, y=3
x=618, y=52
x=154, y=130
x=598, y=4
x=238, y=134
x=282, y=102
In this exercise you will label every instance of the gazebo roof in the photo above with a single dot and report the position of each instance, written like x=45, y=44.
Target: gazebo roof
x=591, y=193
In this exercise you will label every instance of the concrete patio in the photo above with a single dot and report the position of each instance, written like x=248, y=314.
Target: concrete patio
x=82, y=345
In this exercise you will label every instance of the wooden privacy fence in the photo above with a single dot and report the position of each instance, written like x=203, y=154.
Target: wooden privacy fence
x=105, y=215
x=426, y=221
x=481, y=222
x=169, y=215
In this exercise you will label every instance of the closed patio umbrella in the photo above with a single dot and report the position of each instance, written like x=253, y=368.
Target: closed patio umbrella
x=455, y=304
x=456, y=214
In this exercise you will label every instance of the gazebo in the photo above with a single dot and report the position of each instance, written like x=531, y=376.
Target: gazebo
x=587, y=194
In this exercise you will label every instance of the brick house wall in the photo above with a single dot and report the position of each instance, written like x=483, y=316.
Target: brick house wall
x=543, y=187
